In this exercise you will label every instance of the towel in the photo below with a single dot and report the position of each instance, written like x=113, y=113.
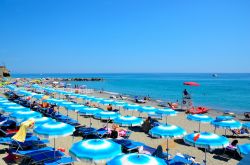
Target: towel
x=21, y=134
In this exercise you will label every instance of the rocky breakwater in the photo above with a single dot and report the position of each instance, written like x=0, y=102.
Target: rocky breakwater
x=80, y=79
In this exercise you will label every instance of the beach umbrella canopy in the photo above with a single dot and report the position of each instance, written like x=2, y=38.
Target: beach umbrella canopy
x=106, y=115
x=119, y=103
x=246, y=125
x=166, y=112
x=8, y=104
x=14, y=109
x=88, y=111
x=136, y=159
x=223, y=118
x=97, y=100
x=147, y=109
x=131, y=106
x=75, y=107
x=65, y=104
x=97, y=150
x=206, y=140
x=11, y=87
x=191, y=83
x=243, y=149
x=40, y=120
x=167, y=131
x=4, y=101
x=107, y=102
x=89, y=98
x=1, y=98
x=21, y=115
x=200, y=118
x=128, y=121
x=54, y=130
x=227, y=124
x=38, y=96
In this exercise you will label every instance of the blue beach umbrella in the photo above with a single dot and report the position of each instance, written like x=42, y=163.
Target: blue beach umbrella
x=40, y=120
x=243, y=149
x=107, y=102
x=21, y=115
x=4, y=101
x=89, y=112
x=200, y=118
x=96, y=150
x=76, y=107
x=136, y=159
x=132, y=107
x=147, y=109
x=119, y=103
x=246, y=125
x=1, y=98
x=226, y=124
x=11, y=87
x=128, y=121
x=106, y=115
x=14, y=109
x=206, y=140
x=9, y=104
x=65, y=104
x=167, y=131
x=222, y=118
x=54, y=130
x=166, y=112
x=38, y=96
x=97, y=100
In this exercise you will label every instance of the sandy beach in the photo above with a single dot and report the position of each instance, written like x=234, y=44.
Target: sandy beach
x=177, y=146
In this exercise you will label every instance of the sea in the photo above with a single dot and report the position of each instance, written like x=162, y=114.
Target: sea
x=226, y=92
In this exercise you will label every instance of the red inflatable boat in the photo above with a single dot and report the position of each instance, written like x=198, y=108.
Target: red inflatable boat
x=198, y=110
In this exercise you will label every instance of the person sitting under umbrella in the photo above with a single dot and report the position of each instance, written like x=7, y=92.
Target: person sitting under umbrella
x=109, y=107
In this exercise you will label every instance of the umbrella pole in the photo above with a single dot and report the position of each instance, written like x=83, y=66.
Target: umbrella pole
x=90, y=124
x=166, y=119
x=54, y=147
x=77, y=116
x=199, y=126
x=167, y=151
x=205, y=161
x=225, y=132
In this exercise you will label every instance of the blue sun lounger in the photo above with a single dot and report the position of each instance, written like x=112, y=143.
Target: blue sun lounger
x=51, y=157
x=129, y=146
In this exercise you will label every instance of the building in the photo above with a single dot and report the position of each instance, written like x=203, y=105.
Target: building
x=4, y=72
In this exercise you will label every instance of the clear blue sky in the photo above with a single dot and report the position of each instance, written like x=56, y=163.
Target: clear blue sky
x=93, y=36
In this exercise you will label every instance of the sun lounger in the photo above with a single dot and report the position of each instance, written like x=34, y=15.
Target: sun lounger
x=183, y=159
x=129, y=146
x=44, y=157
x=29, y=142
x=60, y=161
x=235, y=133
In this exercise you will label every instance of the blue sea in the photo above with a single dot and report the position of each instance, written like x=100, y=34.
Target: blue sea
x=225, y=92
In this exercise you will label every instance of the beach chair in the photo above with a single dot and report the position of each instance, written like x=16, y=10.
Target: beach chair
x=247, y=116
x=43, y=157
x=183, y=159
x=29, y=143
x=129, y=146
x=240, y=133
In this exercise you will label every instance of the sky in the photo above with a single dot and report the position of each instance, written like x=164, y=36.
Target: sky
x=125, y=36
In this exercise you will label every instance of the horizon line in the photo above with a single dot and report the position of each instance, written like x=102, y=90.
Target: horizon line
x=139, y=73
